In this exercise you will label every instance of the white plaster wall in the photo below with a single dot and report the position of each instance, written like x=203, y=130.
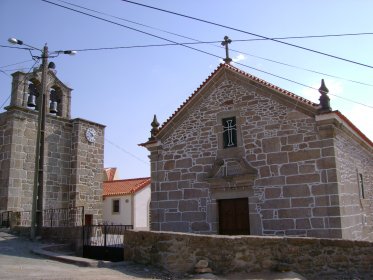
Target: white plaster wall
x=141, y=206
x=124, y=217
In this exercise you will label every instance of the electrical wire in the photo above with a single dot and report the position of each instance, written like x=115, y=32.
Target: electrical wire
x=128, y=27
x=17, y=63
x=239, y=40
x=28, y=72
x=125, y=151
x=180, y=44
x=219, y=42
x=13, y=47
x=263, y=58
x=246, y=32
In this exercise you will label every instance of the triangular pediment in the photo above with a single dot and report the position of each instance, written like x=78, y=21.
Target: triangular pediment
x=228, y=72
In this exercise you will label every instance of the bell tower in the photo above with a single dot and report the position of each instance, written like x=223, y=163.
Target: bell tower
x=26, y=88
x=72, y=163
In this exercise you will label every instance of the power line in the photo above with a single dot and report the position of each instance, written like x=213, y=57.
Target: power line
x=128, y=27
x=197, y=41
x=194, y=43
x=125, y=151
x=13, y=47
x=240, y=40
x=246, y=32
x=180, y=44
x=218, y=42
x=28, y=72
x=17, y=63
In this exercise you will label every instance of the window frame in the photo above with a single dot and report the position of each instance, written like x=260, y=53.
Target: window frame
x=360, y=180
x=113, y=206
x=227, y=129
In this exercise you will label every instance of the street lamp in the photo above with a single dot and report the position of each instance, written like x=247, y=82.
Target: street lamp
x=37, y=195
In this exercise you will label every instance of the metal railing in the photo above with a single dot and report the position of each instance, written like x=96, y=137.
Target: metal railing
x=21, y=218
x=5, y=218
x=104, y=235
x=60, y=217
x=63, y=217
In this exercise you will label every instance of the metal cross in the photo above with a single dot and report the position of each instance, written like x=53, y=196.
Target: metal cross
x=229, y=128
x=225, y=43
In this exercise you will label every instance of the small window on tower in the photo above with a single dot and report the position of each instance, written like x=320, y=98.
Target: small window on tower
x=229, y=132
x=115, y=206
x=361, y=185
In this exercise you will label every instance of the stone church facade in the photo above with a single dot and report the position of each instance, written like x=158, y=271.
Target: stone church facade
x=242, y=156
x=73, y=153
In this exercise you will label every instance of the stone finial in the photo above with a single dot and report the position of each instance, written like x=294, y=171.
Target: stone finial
x=324, y=98
x=155, y=128
x=225, y=43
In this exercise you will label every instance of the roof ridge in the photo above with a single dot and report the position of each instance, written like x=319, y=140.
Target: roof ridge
x=130, y=179
x=241, y=72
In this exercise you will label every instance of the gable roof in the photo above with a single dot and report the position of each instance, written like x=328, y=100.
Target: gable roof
x=249, y=77
x=124, y=187
x=305, y=103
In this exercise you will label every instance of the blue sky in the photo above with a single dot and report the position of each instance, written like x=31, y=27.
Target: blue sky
x=124, y=88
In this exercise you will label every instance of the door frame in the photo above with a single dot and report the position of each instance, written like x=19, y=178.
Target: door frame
x=237, y=218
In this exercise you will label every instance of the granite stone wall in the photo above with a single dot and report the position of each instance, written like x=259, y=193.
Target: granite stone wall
x=72, y=165
x=313, y=258
x=356, y=203
x=18, y=159
x=297, y=167
x=87, y=161
x=295, y=191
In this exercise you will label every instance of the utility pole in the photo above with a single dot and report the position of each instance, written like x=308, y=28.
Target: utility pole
x=38, y=188
x=37, y=194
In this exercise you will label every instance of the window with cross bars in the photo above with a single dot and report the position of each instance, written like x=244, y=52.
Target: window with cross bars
x=229, y=132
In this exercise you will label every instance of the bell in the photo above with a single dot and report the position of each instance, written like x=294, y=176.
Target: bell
x=31, y=101
x=53, y=107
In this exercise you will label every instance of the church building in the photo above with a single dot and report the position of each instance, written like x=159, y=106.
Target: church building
x=242, y=156
x=71, y=150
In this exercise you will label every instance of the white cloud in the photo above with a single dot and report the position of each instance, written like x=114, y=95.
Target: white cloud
x=239, y=57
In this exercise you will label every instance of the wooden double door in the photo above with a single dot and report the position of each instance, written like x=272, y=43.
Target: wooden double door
x=234, y=216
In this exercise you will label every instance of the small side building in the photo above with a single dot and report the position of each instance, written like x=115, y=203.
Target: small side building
x=126, y=202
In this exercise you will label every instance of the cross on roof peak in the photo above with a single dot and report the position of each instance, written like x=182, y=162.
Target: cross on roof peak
x=225, y=43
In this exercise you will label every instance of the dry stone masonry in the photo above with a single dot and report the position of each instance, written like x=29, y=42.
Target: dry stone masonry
x=311, y=257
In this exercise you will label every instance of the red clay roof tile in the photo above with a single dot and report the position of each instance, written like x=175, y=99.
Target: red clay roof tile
x=123, y=187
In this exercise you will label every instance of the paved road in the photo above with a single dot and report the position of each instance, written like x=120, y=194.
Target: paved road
x=18, y=262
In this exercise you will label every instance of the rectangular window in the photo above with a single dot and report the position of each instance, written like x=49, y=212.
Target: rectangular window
x=115, y=206
x=229, y=132
x=361, y=185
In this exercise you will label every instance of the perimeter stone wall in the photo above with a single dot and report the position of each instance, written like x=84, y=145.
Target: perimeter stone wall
x=313, y=258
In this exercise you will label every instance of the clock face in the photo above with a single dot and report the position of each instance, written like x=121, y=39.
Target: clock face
x=90, y=134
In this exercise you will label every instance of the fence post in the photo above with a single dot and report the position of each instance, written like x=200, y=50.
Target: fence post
x=105, y=231
x=82, y=211
x=51, y=213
